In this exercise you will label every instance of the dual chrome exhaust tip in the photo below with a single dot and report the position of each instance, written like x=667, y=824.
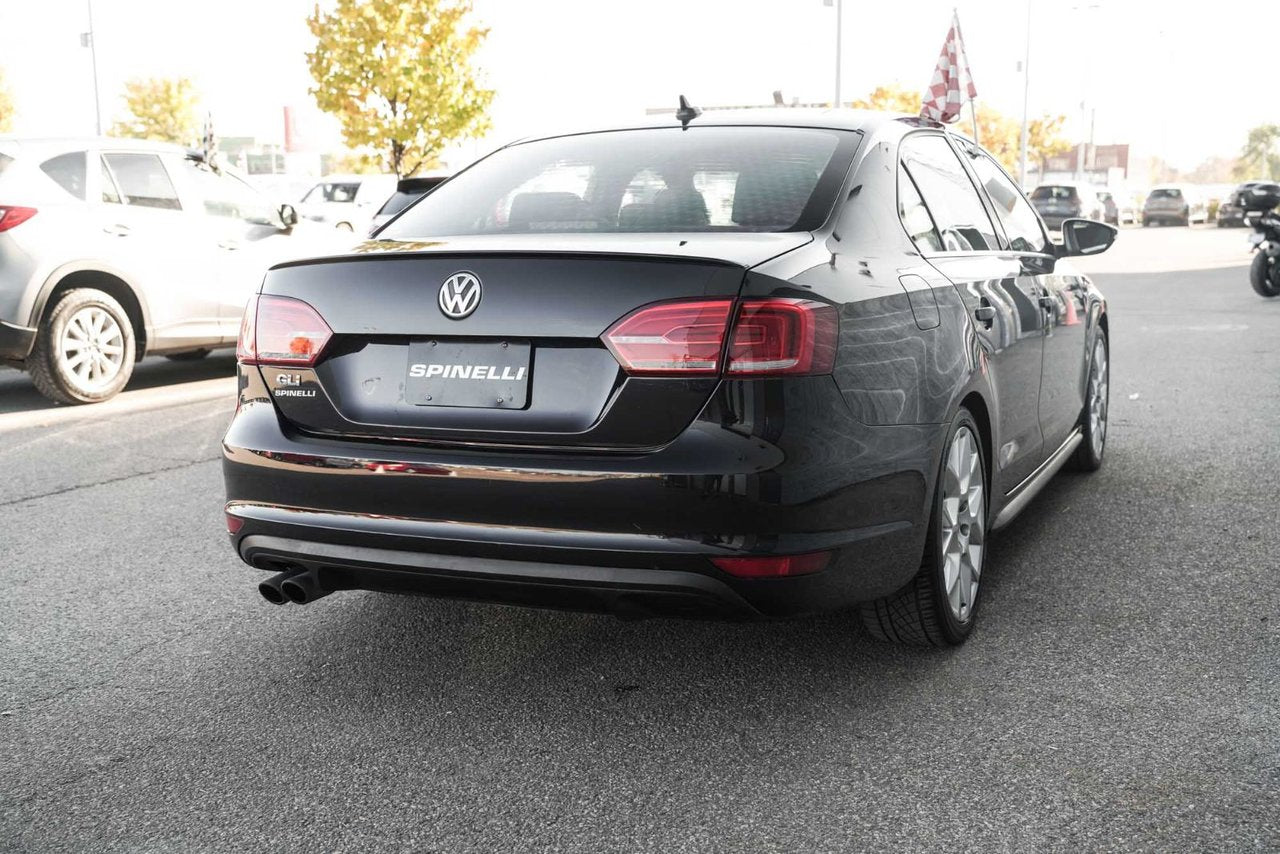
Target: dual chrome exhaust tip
x=297, y=585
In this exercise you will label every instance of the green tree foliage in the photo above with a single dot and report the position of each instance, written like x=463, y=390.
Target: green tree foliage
x=6, y=107
x=159, y=109
x=998, y=133
x=398, y=76
x=1260, y=157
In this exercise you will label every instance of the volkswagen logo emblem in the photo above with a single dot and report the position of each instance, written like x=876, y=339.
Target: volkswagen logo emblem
x=460, y=295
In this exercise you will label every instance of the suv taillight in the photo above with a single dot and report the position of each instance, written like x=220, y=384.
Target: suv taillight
x=11, y=215
x=281, y=331
x=770, y=336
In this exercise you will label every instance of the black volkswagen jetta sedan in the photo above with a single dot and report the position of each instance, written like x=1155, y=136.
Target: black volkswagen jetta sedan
x=759, y=364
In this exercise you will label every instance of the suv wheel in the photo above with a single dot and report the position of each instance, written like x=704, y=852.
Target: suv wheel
x=84, y=351
x=938, y=605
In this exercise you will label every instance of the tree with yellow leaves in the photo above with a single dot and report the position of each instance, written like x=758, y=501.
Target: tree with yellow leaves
x=398, y=76
x=6, y=107
x=997, y=133
x=159, y=109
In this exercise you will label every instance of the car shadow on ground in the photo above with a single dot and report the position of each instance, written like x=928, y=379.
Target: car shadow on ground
x=18, y=394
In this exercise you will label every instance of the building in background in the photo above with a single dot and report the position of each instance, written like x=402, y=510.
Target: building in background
x=1116, y=165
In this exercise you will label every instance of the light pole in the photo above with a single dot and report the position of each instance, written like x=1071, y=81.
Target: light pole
x=839, y=4
x=87, y=40
x=1026, y=90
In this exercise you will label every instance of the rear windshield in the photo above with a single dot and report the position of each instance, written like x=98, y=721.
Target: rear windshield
x=401, y=199
x=1054, y=194
x=707, y=179
x=1166, y=194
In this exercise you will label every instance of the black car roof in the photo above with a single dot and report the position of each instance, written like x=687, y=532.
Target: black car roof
x=864, y=121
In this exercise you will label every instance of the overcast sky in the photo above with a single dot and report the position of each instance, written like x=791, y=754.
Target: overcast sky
x=1166, y=76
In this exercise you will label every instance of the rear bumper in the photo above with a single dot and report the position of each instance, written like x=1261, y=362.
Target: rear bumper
x=632, y=534
x=15, y=342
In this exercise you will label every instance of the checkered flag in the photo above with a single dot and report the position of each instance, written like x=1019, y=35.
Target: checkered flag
x=209, y=141
x=943, y=98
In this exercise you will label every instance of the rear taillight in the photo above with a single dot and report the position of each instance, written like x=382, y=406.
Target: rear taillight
x=773, y=566
x=11, y=216
x=281, y=331
x=683, y=338
x=783, y=336
x=769, y=337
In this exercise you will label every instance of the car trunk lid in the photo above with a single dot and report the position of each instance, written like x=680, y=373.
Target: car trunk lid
x=526, y=365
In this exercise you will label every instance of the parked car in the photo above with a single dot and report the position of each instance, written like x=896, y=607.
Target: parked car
x=115, y=249
x=815, y=369
x=1067, y=200
x=1249, y=200
x=347, y=202
x=1176, y=204
x=1120, y=208
x=408, y=191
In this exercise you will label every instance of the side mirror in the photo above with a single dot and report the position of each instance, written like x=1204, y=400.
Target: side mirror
x=288, y=215
x=1085, y=237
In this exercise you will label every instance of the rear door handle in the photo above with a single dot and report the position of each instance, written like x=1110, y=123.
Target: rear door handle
x=117, y=230
x=985, y=312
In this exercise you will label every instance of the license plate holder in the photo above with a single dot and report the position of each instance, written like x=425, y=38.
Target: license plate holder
x=468, y=373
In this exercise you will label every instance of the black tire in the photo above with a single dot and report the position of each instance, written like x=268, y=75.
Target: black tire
x=189, y=356
x=1087, y=457
x=49, y=371
x=1264, y=275
x=919, y=614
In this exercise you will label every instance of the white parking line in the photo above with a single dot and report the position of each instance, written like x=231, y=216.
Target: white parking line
x=161, y=397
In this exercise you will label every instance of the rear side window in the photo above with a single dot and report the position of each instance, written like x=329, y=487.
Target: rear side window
x=5, y=160
x=1021, y=224
x=915, y=216
x=142, y=181
x=952, y=199
x=68, y=172
x=109, y=192
x=704, y=179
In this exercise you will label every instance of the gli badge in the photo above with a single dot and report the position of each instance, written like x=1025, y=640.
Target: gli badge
x=460, y=295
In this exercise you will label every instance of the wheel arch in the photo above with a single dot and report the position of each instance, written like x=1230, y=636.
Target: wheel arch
x=100, y=278
x=977, y=406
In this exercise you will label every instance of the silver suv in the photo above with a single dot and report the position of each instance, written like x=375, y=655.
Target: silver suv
x=115, y=249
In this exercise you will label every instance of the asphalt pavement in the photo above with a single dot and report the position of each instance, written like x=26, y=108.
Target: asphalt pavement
x=1122, y=691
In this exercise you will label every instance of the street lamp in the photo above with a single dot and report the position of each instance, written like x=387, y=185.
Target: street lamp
x=87, y=40
x=1026, y=89
x=839, y=4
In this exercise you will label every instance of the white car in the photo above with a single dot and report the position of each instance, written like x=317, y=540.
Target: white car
x=115, y=249
x=347, y=202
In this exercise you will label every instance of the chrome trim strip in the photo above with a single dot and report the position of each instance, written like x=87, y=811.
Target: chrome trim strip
x=1035, y=482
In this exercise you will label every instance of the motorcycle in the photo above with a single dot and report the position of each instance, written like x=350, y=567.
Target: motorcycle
x=1264, y=272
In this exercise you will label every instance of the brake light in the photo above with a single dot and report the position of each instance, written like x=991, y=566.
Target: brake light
x=680, y=338
x=281, y=331
x=773, y=566
x=12, y=215
x=783, y=336
x=769, y=337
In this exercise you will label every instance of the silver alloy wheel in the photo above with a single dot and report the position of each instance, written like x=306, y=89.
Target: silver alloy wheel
x=1098, y=388
x=964, y=520
x=91, y=351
